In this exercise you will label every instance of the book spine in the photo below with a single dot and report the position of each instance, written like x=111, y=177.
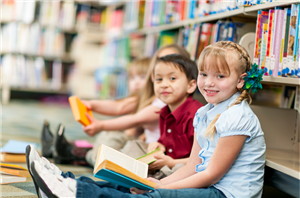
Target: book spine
x=282, y=43
x=286, y=69
x=277, y=41
x=296, y=44
x=264, y=46
x=255, y=57
x=263, y=20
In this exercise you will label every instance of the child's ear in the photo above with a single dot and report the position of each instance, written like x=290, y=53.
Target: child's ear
x=241, y=81
x=192, y=86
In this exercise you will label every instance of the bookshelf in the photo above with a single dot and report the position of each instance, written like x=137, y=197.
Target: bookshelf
x=284, y=158
x=56, y=24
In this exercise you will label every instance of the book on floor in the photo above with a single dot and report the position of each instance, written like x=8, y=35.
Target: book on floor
x=14, y=169
x=116, y=167
x=12, y=157
x=79, y=110
x=7, y=178
x=14, y=151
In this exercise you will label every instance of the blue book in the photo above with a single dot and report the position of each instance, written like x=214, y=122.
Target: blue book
x=120, y=179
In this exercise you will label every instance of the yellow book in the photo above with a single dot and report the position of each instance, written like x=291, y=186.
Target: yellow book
x=13, y=169
x=79, y=110
x=121, y=169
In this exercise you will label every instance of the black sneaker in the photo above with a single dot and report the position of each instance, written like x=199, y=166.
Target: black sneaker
x=67, y=153
x=47, y=141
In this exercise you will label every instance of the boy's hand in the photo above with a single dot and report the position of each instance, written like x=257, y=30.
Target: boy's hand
x=94, y=127
x=161, y=161
x=154, y=145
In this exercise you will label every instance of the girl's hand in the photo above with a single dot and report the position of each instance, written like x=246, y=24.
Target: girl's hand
x=139, y=191
x=154, y=145
x=94, y=127
x=161, y=161
x=87, y=104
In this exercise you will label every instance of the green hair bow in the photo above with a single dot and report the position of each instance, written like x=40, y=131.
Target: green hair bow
x=253, y=78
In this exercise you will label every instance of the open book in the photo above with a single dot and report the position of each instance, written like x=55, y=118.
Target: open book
x=116, y=167
x=79, y=110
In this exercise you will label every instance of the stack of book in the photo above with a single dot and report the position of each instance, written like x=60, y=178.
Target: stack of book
x=11, y=173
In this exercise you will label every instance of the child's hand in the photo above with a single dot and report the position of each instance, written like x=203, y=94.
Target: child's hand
x=136, y=191
x=94, y=128
x=161, y=161
x=154, y=145
x=139, y=191
x=87, y=104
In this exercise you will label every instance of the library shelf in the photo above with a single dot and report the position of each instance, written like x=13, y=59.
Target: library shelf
x=284, y=161
x=280, y=3
x=176, y=25
x=65, y=58
x=62, y=90
x=215, y=17
x=101, y=3
x=281, y=80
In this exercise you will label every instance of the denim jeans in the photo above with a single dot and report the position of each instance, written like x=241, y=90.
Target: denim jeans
x=86, y=187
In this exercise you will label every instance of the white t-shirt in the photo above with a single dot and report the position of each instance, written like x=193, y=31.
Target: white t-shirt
x=151, y=131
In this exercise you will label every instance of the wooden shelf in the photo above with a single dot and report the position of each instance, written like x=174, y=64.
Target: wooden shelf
x=281, y=80
x=287, y=162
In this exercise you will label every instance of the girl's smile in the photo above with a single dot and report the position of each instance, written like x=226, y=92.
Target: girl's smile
x=210, y=92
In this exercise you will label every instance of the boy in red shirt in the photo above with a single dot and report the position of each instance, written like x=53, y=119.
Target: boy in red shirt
x=174, y=83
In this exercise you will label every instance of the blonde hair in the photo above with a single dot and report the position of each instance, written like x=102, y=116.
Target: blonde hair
x=147, y=94
x=139, y=65
x=221, y=53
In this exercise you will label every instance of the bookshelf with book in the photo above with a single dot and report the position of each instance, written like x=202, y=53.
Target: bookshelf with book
x=48, y=63
x=234, y=24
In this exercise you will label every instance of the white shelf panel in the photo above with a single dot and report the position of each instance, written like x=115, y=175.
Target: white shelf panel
x=281, y=80
x=287, y=162
x=271, y=5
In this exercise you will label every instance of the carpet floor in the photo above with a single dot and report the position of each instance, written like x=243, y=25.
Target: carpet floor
x=23, y=120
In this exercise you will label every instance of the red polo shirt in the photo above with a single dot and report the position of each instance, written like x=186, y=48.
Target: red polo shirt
x=176, y=128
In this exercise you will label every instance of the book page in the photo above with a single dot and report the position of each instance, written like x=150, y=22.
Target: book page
x=127, y=162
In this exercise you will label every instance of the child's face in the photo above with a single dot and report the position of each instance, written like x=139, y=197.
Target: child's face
x=136, y=82
x=171, y=85
x=217, y=87
x=165, y=52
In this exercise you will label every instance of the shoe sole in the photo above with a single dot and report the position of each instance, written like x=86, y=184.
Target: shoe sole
x=40, y=182
x=28, y=149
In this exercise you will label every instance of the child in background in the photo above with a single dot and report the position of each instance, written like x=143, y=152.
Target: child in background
x=174, y=83
x=228, y=154
x=137, y=71
x=146, y=116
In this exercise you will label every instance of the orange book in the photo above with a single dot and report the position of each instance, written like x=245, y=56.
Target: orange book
x=12, y=157
x=79, y=110
x=13, y=169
